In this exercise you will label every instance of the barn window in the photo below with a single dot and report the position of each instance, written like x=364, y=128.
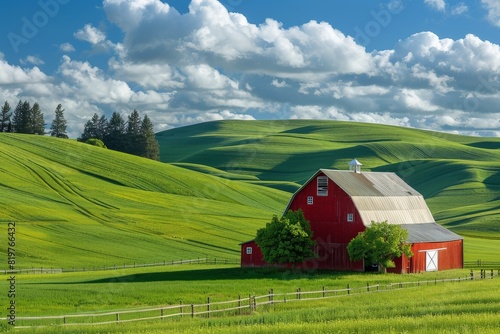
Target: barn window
x=322, y=185
x=249, y=250
x=310, y=200
x=350, y=217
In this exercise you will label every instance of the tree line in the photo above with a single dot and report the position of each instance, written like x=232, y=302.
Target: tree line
x=27, y=118
x=134, y=136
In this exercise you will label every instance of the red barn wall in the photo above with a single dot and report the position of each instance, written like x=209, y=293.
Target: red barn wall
x=255, y=258
x=331, y=230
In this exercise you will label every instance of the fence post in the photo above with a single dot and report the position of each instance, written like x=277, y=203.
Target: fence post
x=323, y=292
x=64, y=320
x=491, y=273
x=367, y=287
x=270, y=296
x=250, y=302
x=348, y=289
x=208, y=307
x=117, y=317
x=192, y=310
x=239, y=303
x=161, y=314
x=471, y=274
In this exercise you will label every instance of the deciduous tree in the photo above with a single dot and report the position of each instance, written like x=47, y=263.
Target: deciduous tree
x=286, y=240
x=380, y=244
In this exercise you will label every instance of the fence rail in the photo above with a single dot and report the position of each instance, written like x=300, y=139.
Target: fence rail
x=480, y=263
x=242, y=305
x=34, y=270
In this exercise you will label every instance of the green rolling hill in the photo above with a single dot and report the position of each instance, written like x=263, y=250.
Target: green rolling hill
x=76, y=205
x=458, y=175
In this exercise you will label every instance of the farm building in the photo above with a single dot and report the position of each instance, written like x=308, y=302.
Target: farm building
x=340, y=204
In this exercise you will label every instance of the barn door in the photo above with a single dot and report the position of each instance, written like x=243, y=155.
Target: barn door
x=431, y=260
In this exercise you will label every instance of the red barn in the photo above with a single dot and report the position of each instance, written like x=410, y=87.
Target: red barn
x=340, y=204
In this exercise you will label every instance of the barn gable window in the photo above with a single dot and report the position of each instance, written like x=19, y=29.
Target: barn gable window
x=310, y=200
x=322, y=182
x=249, y=250
x=350, y=217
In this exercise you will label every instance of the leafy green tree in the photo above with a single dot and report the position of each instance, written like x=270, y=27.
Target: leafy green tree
x=95, y=142
x=5, y=117
x=58, y=127
x=380, y=244
x=286, y=240
x=149, y=147
x=37, y=122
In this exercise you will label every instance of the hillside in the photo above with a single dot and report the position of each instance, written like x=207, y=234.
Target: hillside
x=458, y=175
x=77, y=205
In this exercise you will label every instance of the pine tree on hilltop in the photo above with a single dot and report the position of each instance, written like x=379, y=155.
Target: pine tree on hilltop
x=149, y=146
x=5, y=117
x=21, y=118
x=37, y=122
x=58, y=126
x=94, y=128
x=133, y=134
x=115, y=137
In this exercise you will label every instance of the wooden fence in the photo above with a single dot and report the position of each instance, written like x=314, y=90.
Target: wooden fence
x=240, y=306
x=34, y=270
x=481, y=264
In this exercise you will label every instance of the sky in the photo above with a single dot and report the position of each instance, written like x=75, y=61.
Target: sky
x=427, y=64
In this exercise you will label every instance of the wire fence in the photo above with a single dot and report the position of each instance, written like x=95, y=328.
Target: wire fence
x=34, y=270
x=239, y=306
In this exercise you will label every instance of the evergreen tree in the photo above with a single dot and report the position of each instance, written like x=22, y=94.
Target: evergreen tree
x=134, y=133
x=37, y=124
x=115, y=136
x=5, y=117
x=58, y=126
x=91, y=129
x=102, y=127
x=22, y=118
x=149, y=147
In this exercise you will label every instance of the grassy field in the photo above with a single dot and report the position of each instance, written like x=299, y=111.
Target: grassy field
x=425, y=309
x=76, y=205
x=80, y=206
x=458, y=175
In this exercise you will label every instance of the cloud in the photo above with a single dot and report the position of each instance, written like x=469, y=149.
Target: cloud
x=156, y=32
x=34, y=60
x=493, y=8
x=10, y=74
x=211, y=64
x=66, y=47
x=90, y=34
x=438, y=5
x=459, y=9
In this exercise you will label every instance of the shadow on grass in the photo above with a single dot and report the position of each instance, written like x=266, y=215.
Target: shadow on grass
x=214, y=274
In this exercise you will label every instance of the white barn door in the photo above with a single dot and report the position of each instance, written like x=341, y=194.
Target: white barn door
x=431, y=260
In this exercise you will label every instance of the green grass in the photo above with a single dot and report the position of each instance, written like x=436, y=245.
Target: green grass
x=219, y=183
x=458, y=175
x=425, y=309
x=76, y=205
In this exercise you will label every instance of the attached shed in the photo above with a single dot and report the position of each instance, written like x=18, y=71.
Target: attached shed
x=341, y=204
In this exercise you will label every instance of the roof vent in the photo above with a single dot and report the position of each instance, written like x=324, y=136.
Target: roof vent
x=355, y=166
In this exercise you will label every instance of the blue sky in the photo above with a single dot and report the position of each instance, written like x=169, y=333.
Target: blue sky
x=430, y=64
